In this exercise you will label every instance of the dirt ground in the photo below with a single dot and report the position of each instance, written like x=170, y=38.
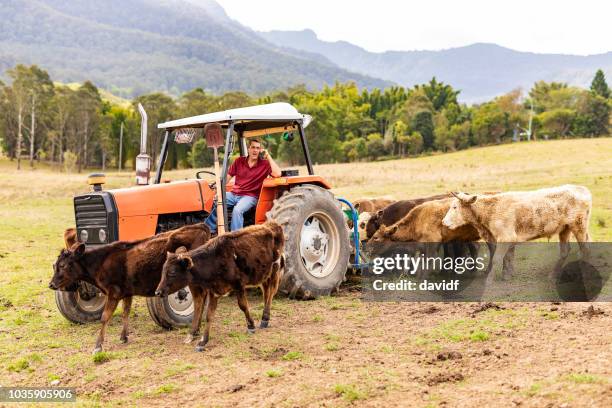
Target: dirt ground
x=341, y=351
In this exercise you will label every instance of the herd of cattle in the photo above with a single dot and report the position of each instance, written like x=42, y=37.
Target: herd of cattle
x=496, y=218
x=253, y=257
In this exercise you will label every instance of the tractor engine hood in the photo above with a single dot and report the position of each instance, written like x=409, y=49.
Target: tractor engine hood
x=167, y=198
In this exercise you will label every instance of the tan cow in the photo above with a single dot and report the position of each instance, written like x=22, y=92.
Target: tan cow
x=424, y=224
x=521, y=216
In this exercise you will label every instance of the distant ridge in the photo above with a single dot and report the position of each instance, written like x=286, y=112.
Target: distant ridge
x=480, y=70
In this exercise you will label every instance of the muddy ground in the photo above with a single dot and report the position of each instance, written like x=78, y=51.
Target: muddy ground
x=340, y=351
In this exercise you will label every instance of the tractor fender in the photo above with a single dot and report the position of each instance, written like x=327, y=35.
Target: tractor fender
x=271, y=187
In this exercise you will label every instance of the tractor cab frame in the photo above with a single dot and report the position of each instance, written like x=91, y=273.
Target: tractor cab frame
x=240, y=125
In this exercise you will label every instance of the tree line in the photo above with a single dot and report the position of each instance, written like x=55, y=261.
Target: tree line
x=74, y=127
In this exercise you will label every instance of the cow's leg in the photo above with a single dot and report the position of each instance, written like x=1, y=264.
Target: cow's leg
x=109, y=308
x=270, y=287
x=243, y=303
x=508, y=268
x=210, y=313
x=564, y=248
x=428, y=249
x=582, y=236
x=472, y=248
x=500, y=252
x=199, y=296
x=492, y=246
x=448, y=251
x=127, y=305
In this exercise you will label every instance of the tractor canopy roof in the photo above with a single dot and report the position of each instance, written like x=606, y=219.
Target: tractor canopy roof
x=252, y=119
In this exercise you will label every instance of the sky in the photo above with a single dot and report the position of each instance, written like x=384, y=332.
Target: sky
x=545, y=26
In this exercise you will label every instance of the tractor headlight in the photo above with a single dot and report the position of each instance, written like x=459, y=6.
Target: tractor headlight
x=84, y=235
x=102, y=235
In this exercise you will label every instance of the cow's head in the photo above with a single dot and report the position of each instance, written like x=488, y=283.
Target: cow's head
x=176, y=273
x=362, y=223
x=373, y=224
x=67, y=269
x=384, y=233
x=459, y=212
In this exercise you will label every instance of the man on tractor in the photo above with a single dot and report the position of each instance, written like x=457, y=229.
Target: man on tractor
x=248, y=174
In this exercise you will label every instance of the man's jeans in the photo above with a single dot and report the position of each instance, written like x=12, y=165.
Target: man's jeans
x=241, y=204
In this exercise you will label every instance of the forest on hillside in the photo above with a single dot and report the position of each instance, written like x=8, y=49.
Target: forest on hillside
x=74, y=127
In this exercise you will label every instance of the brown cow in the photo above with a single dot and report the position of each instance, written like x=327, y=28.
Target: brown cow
x=395, y=212
x=70, y=237
x=123, y=269
x=521, y=216
x=249, y=257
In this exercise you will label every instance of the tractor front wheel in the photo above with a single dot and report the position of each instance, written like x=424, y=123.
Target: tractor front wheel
x=172, y=311
x=83, y=305
x=317, y=245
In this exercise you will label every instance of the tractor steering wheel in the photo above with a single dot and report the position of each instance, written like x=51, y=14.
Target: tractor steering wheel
x=204, y=171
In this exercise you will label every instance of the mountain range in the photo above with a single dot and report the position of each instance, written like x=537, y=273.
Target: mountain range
x=135, y=46
x=481, y=71
x=130, y=47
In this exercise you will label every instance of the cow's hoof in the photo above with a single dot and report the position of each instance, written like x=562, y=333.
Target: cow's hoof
x=97, y=350
x=250, y=330
x=199, y=348
x=123, y=339
x=189, y=338
x=264, y=324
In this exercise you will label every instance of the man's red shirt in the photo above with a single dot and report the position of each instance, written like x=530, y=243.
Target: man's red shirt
x=249, y=180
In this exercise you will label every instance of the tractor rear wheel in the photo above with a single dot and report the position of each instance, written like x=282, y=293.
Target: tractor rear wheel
x=317, y=245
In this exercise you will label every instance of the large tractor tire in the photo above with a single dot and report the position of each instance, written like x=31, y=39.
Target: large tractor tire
x=85, y=305
x=317, y=245
x=172, y=311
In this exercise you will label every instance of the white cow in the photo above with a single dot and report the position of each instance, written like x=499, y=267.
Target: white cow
x=362, y=222
x=521, y=216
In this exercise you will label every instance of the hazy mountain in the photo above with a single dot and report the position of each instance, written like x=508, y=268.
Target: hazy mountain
x=136, y=46
x=481, y=71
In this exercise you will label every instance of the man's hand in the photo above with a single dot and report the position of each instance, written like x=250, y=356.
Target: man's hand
x=276, y=171
x=265, y=155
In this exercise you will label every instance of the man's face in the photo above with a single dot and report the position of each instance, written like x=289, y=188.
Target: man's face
x=254, y=149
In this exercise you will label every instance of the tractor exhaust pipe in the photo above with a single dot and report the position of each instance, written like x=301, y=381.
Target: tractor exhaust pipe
x=143, y=160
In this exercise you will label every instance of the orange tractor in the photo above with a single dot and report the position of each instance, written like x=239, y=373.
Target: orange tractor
x=317, y=247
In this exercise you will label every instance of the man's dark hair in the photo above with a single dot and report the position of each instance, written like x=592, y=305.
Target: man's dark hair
x=254, y=139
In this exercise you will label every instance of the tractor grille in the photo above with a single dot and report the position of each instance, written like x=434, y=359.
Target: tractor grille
x=96, y=218
x=90, y=212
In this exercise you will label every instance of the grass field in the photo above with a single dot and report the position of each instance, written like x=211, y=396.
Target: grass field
x=331, y=352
